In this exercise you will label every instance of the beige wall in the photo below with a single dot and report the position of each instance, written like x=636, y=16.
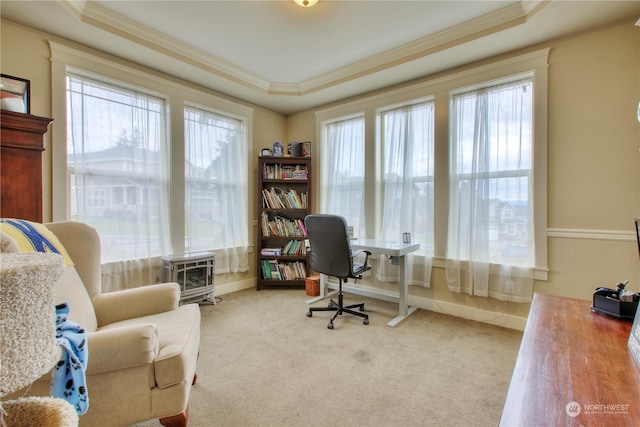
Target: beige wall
x=593, y=173
x=25, y=54
x=593, y=162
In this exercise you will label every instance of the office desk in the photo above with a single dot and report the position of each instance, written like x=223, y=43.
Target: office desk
x=573, y=369
x=397, y=251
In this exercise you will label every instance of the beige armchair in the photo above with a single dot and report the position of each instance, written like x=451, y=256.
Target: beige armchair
x=143, y=346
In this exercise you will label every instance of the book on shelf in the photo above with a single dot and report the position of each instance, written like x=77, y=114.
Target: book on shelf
x=291, y=248
x=279, y=171
x=271, y=251
x=294, y=247
x=282, y=227
x=279, y=198
x=270, y=269
x=274, y=270
x=292, y=270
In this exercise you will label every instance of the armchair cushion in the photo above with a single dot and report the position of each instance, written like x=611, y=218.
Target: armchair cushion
x=178, y=340
x=122, y=348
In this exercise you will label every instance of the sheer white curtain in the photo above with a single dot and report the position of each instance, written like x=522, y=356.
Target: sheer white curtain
x=408, y=149
x=118, y=170
x=215, y=188
x=343, y=172
x=490, y=249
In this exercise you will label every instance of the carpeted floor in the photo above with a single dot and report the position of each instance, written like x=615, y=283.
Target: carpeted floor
x=264, y=363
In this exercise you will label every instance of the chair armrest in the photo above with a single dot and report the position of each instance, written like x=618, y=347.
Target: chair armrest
x=121, y=348
x=358, y=252
x=127, y=304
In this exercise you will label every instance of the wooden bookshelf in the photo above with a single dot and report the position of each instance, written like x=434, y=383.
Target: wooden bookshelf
x=284, y=192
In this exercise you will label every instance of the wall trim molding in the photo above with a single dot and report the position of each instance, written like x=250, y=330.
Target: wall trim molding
x=451, y=309
x=591, y=234
x=470, y=313
x=227, y=288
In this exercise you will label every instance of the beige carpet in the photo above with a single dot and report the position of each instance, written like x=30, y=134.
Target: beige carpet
x=264, y=363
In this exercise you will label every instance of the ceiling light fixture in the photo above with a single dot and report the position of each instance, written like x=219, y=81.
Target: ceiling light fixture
x=305, y=3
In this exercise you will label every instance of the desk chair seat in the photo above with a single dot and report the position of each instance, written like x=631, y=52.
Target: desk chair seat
x=331, y=254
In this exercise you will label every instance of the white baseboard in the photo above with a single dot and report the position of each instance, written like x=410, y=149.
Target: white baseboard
x=463, y=311
x=228, y=288
x=452, y=309
x=469, y=313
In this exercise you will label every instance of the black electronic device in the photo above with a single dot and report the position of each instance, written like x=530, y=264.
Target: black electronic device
x=610, y=302
x=616, y=302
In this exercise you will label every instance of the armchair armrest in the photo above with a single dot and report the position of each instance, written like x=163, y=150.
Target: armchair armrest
x=122, y=348
x=127, y=304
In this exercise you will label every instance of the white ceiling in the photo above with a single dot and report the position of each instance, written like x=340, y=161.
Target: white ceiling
x=288, y=58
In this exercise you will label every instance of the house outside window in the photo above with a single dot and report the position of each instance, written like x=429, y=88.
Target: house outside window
x=491, y=171
x=215, y=184
x=117, y=149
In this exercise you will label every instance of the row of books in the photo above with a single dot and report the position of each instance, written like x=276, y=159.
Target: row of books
x=273, y=270
x=278, y=171
x=293, y=247
x=282, y=227
x=279, y=198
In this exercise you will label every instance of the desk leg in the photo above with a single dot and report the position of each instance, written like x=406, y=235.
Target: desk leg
x=404, y=310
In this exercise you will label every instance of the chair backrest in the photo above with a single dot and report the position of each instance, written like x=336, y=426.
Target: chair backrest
x=329, y=242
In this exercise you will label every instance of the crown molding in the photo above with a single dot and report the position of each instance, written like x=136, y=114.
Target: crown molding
x=100, y=17
x=509, y=16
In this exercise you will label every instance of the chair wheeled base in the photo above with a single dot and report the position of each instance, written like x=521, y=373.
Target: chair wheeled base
x=340, y=308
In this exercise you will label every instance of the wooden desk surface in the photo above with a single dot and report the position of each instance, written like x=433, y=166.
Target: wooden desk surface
x=573, y=369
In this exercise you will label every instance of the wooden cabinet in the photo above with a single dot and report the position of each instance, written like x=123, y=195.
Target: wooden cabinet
x=284, y=189
x=22, y=144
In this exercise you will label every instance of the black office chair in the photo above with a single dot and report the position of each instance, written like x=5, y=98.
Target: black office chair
x=331, y=255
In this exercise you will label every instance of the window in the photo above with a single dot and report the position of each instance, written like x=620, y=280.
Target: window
x=408, y=185
x=215, y=184
x=154, y=165
x=490, y=171
x=459, y=161
x=490, y=248
x=408, y=172
x=343, y=172
x=117, y=152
